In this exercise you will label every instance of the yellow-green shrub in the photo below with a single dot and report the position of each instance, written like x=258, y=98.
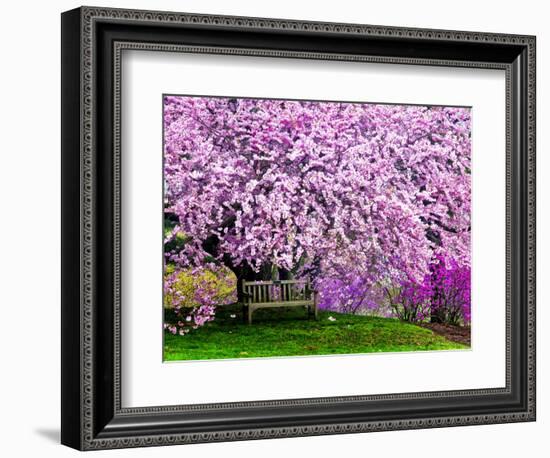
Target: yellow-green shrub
x=193, y=287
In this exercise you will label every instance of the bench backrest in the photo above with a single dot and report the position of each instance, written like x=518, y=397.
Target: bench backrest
x=278, y=292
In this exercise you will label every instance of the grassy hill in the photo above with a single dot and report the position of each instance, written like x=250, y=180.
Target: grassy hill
x=287, y=332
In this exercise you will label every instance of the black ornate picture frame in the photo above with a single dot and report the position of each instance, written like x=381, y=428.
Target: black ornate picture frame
x=92, y=42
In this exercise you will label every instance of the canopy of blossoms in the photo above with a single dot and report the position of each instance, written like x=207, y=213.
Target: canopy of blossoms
x=323, y=189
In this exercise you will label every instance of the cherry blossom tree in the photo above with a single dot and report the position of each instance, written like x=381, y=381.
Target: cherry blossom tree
x=320, y=189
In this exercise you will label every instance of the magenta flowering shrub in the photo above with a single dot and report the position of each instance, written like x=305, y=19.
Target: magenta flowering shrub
x=413, y=300
x=349, y=195
x=444, y=295
x=450, y=285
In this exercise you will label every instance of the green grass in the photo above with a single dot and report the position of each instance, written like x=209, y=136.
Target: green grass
x=287, y=332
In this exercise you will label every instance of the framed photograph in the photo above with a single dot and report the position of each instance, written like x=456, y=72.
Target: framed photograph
x=276, y=228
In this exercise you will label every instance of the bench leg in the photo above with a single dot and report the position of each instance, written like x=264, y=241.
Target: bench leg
x=250, y=310
x=315, y=306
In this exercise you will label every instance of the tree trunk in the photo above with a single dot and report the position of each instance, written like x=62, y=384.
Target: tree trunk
x=244, y=273
x=434, y=315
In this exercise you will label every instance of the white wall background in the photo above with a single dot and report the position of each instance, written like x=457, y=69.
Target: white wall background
x=30, y=229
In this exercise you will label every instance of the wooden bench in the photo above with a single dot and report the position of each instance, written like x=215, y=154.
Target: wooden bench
x=279, y=293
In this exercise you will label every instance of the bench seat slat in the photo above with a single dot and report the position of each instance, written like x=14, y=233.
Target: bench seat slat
x=281, y=304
